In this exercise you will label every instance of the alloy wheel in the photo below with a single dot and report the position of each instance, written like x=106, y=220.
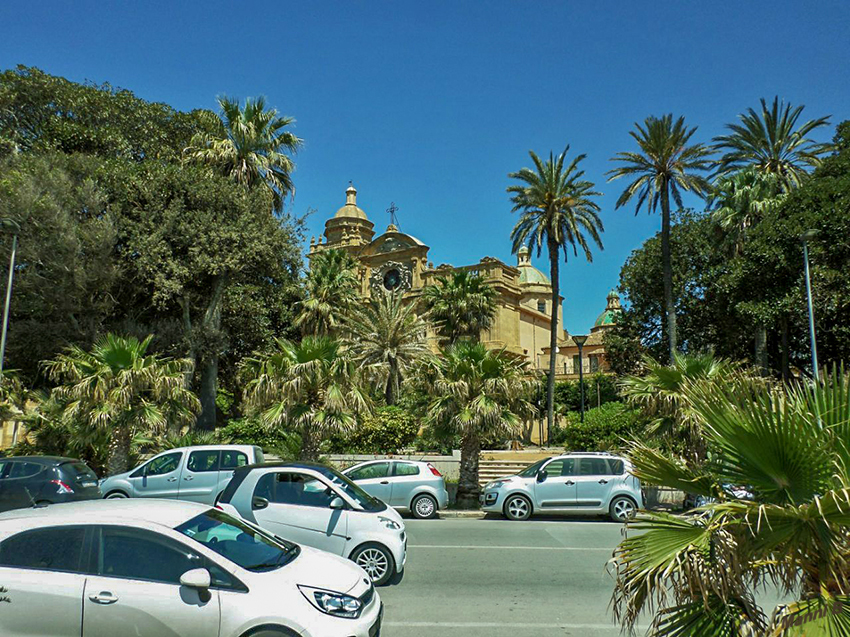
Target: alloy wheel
x=518, y=508
x=424, y=507
x=374, y=562
x=623, y=509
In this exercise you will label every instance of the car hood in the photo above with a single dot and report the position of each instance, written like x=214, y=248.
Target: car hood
x=325, y=570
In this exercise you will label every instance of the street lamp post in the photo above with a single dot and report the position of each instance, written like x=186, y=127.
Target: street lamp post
x=805, y=237
x=580, y=340
x=8, y=299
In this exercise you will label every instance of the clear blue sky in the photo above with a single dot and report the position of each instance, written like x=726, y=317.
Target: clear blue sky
x=431, y=104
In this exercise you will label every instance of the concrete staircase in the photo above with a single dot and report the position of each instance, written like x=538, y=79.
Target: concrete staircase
x=492, y=469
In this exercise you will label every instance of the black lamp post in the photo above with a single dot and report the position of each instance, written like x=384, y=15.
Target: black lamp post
x=580, y=340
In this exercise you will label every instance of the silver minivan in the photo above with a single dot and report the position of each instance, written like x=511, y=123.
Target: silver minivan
x=199, y=474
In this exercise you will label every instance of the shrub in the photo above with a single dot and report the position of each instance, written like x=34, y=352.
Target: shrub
x=604, y=428
x=388, y=430
x=250, y=431
x=599, y=389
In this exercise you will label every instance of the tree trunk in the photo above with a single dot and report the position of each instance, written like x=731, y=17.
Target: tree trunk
x=553, y=336
x=392, y=383
x=119, y=450
x=786, y=367
x=467, y=486
x=667, y=265
x=761, y=349
x=209, y=360
x=309, y=445
x=209, y=384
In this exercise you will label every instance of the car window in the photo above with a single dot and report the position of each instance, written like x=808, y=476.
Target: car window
x=233, y=459
x=78, y=470
x=164, y=464
x=238, y=542
x=531, y=470
x=51, y=549
x=560, y=467
x=203, y=461
x=618, y=467
x=594, y=467
x=24, y=469
x=406, y=469
x=4, y=465
x=143, y=555
x=343, y=483
x=370, y=471
x=294, y=488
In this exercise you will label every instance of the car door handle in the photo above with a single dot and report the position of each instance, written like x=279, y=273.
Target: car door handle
x=603, y=482
x=104, y=597
x=385, y=481
x=188, y=478
x=172, y=480
x=569, y=483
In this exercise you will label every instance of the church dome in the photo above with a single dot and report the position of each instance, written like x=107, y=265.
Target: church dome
x=528, y=274
x=350, y=209
x=612, y=311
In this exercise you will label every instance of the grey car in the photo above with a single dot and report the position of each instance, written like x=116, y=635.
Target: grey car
x=405, y=485
x=27, y=481
x=198, y=474
x=594, y=483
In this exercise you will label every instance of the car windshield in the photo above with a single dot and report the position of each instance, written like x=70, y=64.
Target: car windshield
x=531, y=471
x=238, y=542
x=341, y=482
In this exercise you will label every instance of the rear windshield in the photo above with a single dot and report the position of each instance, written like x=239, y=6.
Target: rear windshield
x=78, y=470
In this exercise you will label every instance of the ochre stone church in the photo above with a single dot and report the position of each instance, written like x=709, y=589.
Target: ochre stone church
x=395, y=260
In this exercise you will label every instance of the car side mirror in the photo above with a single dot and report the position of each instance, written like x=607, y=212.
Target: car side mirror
x=337, y=503
x=198, y=578
x=259, y=503
x=542, y=475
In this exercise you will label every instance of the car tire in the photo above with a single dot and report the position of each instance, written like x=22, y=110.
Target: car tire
x=376, y=560
x=622, y=509
x=115, y=495
x=271, y=632
x=517, y=507
x=424, y=507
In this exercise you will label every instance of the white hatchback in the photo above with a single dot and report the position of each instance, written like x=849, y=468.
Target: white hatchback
x=314, y=505
x=171, y=569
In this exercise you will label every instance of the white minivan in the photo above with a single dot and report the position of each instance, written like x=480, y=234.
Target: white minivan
x=317, y=506
x=198, y=474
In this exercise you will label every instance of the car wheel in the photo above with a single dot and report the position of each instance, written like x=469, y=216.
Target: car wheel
x=622, y=509
x=271, y=632
x=376, y=560
x=423, y=507
x=115, y=495
x=517, y=507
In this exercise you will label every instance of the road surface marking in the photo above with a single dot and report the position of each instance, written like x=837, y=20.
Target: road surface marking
x=504, y=625
x=508, y=548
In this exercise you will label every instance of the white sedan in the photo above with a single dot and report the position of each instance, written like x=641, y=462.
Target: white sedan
x=170, y=569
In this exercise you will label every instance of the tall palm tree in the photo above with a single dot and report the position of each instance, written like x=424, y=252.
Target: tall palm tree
x=764, y=157
x=558, y=213
x=312, y=388
x=664, y=167
x=477, y=393
x=387, y=337
x=331, y=289
x=787, y=447
x=461, y=305
x=769, y=142
x=249, y=144
x=120, y=390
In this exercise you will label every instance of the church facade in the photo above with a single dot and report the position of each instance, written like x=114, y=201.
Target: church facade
x=396, y=261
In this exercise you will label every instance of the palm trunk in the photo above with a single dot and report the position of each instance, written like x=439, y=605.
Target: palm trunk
x=119, y=450
x=667, y=266
x=392, y=383
x=467, y=486
x=786, y=368
x=761, y=349
x=553, y=337
x=209, y=375
x=309, y=445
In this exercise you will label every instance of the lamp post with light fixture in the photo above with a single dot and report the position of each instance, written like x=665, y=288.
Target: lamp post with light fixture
x=805, y=237
x=580, y=340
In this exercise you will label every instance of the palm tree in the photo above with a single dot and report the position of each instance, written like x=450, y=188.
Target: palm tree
x=461, y=305
x=477, y=393
x=660, y=394
x=387, y=337
x=557, y=212
x=118, y=389
x=249, y=145
x=332, y=287
x=786, y=450
x=312, y=388
x=665, y=166
x=769, y=142
x=741, y=199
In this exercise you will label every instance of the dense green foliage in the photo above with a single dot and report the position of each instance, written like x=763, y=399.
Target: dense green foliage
x=606, y=428
x=460, y=305
x=388, y=430
x=599, y=389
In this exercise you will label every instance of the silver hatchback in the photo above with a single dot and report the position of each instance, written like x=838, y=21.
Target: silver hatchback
x=405, y=485
x=595, y=483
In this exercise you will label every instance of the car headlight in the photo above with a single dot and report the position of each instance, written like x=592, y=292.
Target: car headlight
x=332, y=603
x=390, y=524
x=496, y=484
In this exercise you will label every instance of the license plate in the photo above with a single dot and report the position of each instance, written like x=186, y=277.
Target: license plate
x=88, y=484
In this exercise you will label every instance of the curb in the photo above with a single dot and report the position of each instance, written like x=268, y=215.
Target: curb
x=461, y=514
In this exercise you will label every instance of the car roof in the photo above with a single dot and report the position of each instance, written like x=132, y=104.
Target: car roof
x=45, y=460
x=374, y=460
x=216, y=447
x=168, y=513
x=315, y=466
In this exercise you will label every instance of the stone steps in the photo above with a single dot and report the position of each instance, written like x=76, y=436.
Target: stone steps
x=491, y=469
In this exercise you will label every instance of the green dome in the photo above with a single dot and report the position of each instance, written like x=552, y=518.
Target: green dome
x=530, y=274
x=612, y=311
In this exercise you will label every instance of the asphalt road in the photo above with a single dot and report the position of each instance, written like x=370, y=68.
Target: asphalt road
x=498, y=578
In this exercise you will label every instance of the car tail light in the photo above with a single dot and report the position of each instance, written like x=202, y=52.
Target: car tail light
x=63, y=487
x=434, y=470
